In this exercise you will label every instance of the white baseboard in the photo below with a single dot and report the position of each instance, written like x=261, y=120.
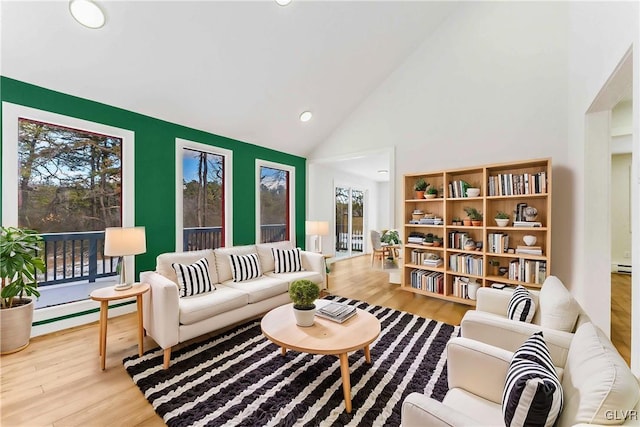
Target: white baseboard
x=64, y=316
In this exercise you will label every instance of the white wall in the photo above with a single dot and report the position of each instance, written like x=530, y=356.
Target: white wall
x=600, y=35
x=489, y=86
x=321, y=196
x=620, y=209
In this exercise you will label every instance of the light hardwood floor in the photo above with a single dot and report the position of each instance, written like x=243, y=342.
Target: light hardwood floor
x=57, y=381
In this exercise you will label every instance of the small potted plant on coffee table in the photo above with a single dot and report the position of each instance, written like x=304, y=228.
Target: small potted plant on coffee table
x=502, y=219
x=303, y=293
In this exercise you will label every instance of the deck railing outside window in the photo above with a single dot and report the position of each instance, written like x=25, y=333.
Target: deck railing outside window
x=71, y=257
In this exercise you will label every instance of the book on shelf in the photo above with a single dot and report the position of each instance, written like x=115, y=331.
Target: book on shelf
x=513, y=184
x=336, y=311
x=529, y=251
x=527, y=224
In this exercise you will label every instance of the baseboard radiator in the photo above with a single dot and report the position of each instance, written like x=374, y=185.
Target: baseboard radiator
x=624, y=268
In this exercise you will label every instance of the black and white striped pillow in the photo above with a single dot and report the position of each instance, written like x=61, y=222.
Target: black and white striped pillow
x=287, y=260
x=245, y=267
x=521, y=306
x=532, y=394
x=194, y=279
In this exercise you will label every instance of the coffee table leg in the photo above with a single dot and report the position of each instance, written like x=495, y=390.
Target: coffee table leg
x=346, y=381
x=283, y=350
x=367, y=354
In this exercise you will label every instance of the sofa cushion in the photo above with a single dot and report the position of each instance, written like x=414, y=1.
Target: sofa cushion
x=223, y=265
x=164, y=261
x=597, y=381
x=532, y=395
x=286, y=260
x=261, y=288
x=297, y=275
x=521, y=305
x=245, y=267
x=266, y=256
x=195, y=308
x=558, y=309
x=194, y=278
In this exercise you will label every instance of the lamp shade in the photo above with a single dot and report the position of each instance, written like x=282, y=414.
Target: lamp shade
x=122, y=241
x=317, y=228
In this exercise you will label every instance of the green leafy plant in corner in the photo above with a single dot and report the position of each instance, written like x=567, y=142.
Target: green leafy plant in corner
x=473, y=213
x=502, y=215
x=390, y=237
x=19, y=264
x=420, y=185
x=303, y=293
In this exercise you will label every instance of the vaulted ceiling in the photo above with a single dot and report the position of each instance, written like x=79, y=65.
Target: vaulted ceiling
x=242, y=69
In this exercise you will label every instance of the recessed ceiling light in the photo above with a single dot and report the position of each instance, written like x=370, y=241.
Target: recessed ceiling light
x=383, y=171
x=87, y=13
x=305, y=116
x=283, y=2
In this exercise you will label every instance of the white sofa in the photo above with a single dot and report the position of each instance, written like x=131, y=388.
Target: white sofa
x=557, y=315
x=598, y=386
x=170, y=319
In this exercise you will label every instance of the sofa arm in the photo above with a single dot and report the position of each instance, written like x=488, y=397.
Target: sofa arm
x=161, y=309
x=419, y=410
x=477, y=367
x=510, y=334
x=313, y=261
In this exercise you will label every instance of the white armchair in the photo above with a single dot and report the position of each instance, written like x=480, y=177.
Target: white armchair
x=598, y=386
x=557, y=315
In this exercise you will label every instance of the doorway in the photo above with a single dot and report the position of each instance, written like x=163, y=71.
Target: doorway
x=349, y=221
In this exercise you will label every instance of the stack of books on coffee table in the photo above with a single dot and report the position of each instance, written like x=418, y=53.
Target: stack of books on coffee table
x=336, y=311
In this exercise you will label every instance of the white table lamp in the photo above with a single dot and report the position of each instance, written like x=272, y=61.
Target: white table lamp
x=121, y=242
x=317, y=229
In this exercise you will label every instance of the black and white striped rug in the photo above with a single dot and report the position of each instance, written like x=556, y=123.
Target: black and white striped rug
x=240, y=377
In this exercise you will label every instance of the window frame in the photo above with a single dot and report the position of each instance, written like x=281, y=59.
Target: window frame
x=291, y=197
x=10, y=164
x=227, y=196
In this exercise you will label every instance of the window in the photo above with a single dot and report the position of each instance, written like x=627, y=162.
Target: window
x=203, y=202
x=275, y=202
x=69, y=179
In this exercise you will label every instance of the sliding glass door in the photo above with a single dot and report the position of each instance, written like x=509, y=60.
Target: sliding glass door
x=349, y=232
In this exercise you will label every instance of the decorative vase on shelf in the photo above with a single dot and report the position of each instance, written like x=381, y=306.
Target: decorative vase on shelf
x=502, y=222
x=529, y=240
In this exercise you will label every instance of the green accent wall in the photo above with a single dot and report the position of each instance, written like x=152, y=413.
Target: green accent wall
x=155, y=165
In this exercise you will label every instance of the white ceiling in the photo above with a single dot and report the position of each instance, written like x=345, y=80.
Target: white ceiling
x=240, y=69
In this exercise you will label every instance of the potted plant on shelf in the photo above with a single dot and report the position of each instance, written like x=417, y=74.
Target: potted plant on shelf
x=437, y=241
x=303, y=293
x=474, y=216
x=19, y=267
x=428, y=239
x=502, y=219
x=456, y=220
x=431, y=193
x=420, y=187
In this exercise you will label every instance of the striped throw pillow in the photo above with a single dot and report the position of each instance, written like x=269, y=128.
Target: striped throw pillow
x=521, y=306
x=287, y=260
x=194, y=279
x=532, y=394
x=245, y=267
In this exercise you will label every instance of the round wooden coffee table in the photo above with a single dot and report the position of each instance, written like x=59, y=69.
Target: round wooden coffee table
x=324, y=337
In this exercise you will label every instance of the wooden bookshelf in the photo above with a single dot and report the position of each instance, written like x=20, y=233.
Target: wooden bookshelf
x=506, y=187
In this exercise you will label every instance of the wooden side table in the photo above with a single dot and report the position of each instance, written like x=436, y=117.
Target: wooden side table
x=104, y=295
